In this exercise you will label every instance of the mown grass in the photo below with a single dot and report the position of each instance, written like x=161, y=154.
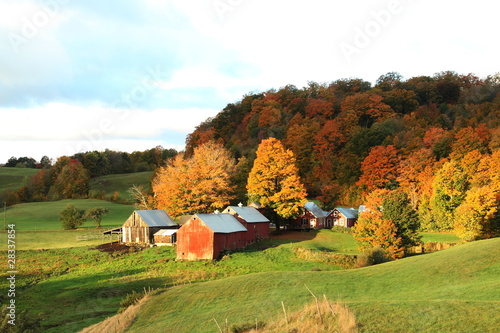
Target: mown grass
x=41, y=216
x=121, y=183
x=455, y=290
x=13, y=178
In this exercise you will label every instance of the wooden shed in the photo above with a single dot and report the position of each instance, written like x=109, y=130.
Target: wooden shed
x=165, y=237
x=141, y=226
x=257, y=224
x=205, y=236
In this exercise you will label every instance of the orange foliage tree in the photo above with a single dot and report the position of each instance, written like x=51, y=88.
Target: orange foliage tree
x=364, y=109
x=198, y=184
x=379, y=168
x=373, y=230
x=274, y=180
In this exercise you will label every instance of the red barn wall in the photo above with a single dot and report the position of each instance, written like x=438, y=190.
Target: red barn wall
x=195, y=241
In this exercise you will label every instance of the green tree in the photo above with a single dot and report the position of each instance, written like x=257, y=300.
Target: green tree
x=449, y=188
x=274, y=180
x=72, y=217
x=398, y=209
x=96, y=214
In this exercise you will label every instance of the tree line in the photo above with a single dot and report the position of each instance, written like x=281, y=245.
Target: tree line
x=69, y=176
x=430, y=142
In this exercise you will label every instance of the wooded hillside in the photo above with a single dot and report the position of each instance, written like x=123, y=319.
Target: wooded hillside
x=350, y=138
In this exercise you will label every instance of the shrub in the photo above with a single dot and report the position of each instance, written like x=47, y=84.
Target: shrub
x=372, y=256
x=246, y=327
x=115, y=197
x=71, y=217
x=130, y=299
x=97, y=194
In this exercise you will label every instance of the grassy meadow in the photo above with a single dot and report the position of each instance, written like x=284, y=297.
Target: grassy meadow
x=42, y=216
x=66, y=284
x=121, y=183
x=454, y=290
x=82, y=286
x=13, y=178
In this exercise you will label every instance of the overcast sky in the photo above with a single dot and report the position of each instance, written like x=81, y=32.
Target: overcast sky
x=131, y=75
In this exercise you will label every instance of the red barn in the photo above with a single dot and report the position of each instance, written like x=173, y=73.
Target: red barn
x=312, y=217
x=256, y=223
x=205, y=236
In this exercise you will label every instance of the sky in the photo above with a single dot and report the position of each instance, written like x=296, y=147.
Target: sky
x=79, y=76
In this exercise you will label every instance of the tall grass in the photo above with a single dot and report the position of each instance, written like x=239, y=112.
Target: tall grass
x=120, y=322
x=319, y=316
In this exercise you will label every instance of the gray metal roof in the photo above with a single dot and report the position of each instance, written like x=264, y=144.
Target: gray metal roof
x=221, y=223
x=166, y=232
x=156, y=218
x=249, y=214
x=349, y=213
x=314, y=209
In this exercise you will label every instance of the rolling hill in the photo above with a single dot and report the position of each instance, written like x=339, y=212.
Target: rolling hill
x=13, y=178
x=455, y=290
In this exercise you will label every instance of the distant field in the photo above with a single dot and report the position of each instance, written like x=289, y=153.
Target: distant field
x=121, y=183
x=13, y=178
x=41, y=216
x=441, y=237
x=56, y=239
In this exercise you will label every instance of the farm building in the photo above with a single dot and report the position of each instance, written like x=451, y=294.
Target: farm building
x=205, y=236
x=165, y=237
x=141, y=226
x=312, y=217
x=256, y=223
x=344, y=217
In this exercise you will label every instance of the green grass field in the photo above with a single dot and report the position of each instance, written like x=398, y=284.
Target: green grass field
x=432, y=292
x=454, y=290
x=41, y=216
x=13, y=178
x=121, y=183
x=82, y=286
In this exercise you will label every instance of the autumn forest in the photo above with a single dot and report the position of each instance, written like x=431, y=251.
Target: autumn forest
x=431, y=141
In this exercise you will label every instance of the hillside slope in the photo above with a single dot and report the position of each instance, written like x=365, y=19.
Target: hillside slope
x=455, y=290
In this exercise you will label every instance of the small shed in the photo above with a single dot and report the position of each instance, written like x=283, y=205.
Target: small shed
x=141, y=226
x=205, y=236
x=165, y=237
x=256, y=223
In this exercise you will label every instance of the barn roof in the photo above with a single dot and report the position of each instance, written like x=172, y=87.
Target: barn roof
x=349, y=213
x=156, y=218
x=314, y=209
x=166, y=232
x=221, y=223
x=249, y=214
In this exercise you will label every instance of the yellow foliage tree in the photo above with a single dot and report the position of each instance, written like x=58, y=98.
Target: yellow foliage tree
x=198, y=184
x=274, y=179
x=473, y=217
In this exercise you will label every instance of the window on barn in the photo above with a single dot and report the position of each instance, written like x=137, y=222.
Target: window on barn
x=304, y=221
